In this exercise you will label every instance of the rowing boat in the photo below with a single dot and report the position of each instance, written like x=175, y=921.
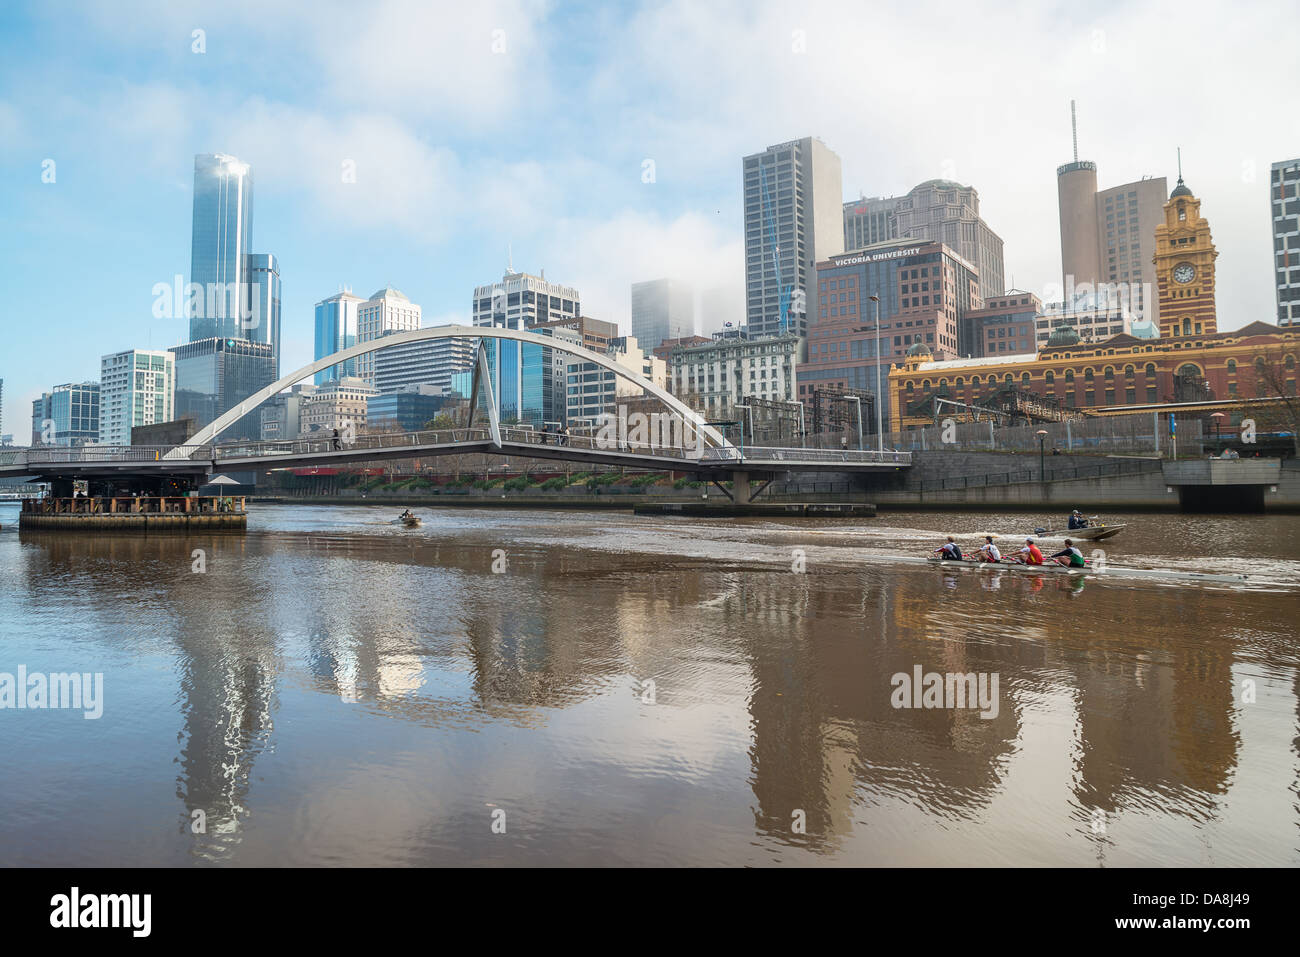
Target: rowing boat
x=1092, y=569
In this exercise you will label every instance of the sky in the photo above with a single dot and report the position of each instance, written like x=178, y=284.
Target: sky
x=601, y=142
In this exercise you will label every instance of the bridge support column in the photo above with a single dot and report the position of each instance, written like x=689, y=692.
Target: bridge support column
x=740, y=488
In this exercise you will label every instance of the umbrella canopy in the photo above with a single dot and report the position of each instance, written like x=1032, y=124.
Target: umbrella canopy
x=222, y=480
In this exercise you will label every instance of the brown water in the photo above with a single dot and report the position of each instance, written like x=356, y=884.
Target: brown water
x=337, y=690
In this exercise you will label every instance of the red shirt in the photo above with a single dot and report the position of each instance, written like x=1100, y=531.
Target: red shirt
x=1032, y=555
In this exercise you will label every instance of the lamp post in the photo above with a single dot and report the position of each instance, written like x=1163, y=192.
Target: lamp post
x=1042, y=455
x=1216, y=417
x=880, y=431
x=739, y=405
x=857, y=400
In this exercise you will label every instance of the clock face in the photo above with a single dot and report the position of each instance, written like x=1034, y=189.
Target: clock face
x=1184, y=272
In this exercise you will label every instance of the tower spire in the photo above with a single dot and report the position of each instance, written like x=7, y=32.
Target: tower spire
x=1180, y=166
x=1074, y=130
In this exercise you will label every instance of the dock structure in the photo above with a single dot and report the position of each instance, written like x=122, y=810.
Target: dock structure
x=136, y=513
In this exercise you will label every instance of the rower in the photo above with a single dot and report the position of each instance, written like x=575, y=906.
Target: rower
x=949, y=551
x=988, y=551
x=1030, y=555
x=1077, y=521
x=1070, y=556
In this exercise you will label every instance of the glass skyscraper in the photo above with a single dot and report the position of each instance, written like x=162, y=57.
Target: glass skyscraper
x=336, y=330
x=264, y=304
x=214, y=375
x=220, y=243
x=72, y=413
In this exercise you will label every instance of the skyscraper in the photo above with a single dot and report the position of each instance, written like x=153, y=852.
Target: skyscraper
x=336, y=330
x=1284, y=211
x=662, y=309
x=67, y=415
x=264, y=303
x=221, y=239
x=388, y=310
x=214, y=375
x=136, y=387
x=793, y=220
x=936, y=211
x=1108, y=236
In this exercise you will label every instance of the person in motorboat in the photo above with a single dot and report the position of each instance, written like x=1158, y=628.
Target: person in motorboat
x=1030, y=555
x=1077, y=520
x=988, y=551
x=1070, y=556
x=949, y=550
x=406, y=516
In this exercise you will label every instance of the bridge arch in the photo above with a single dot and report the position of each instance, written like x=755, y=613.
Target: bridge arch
x=229, y=418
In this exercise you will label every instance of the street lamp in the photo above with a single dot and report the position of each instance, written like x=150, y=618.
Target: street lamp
x=857, y=399
x=1042, y=455
x=1216, y=417
x=880, y=432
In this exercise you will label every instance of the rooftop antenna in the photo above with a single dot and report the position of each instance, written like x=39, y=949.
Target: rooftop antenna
x=1180, y=166
x=510, y=258
x=1074, y=130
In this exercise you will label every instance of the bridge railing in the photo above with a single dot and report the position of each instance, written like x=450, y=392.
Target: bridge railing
x=81, y=454
x=376, y=442
x=848, y=456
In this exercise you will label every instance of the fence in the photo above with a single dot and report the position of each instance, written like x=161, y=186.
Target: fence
x=1140, y=433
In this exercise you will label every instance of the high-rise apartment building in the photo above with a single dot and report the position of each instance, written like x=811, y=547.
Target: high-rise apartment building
x=388, y=310
x=136, y=387
x=715, y=377
x=67, y=415
x=793, y=220
x=1284, y=212
x=521, y=301
x=936, y=211
x=662, y=309
x=594, y=390
x=1108, y=236
x=336, y=330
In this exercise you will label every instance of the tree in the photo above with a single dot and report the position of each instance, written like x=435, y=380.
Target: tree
x=440, y=423
x=1275, y=381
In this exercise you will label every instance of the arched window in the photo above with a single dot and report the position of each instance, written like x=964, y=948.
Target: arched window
x=1189, y=370
x=1290, y=361
x=1110, y=373
x=1008, y=379
x=1024, y=379
x=1069, y=375
x=1049, y=377
x=911, y=386
x=943, y=383
x=1150, y=369
x=925, y=385
x=961, y=382
x=1232, y=366
x=1087, y=375
x=1259, y=365
x=1129, y=372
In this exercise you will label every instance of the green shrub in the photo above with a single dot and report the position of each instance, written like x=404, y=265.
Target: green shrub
x=555, y=484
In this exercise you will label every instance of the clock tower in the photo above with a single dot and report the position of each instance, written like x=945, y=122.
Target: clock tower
x=1184, y=262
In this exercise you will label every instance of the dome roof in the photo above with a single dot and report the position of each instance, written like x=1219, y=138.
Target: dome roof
x=938, y=184
x=1063, y=335
x=919, y=349
x=1181, y=189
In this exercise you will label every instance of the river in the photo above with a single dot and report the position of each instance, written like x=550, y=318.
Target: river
x=562, y=687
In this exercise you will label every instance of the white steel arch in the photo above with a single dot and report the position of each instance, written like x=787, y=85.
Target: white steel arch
x=206, y=435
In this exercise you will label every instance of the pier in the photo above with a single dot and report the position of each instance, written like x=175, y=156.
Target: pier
x=136, y=513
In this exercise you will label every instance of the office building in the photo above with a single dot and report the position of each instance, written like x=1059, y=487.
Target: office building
x=594, y=390
x=1284, y=214
x=936, y=211
x=1091, y=322
x=136, y=388
x=340, y=404
x=410, y=408
x=215, y=375
x=432, y=362
x=662, y=309
x=221, y=240
x=530, y=379
x=336, y=330
x=67, y=415
x=1108, y=236
x=793, y=220
x=264, y=304
x=925, y=291
x=388, y=310
x=281, y=415
x=594, y=334
x=733, y=366
x=1006, y=323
